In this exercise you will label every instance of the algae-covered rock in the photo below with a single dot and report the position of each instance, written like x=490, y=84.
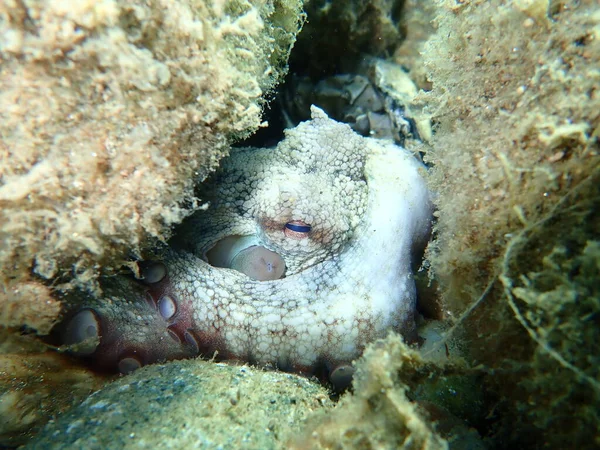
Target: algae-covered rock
x=189, y=404
x=416, y=25
x=515, y=164
x=35, y=385
x=111, y=110
x=550, y=275
x=339, y=34
x=385, y=410
x=517, y=126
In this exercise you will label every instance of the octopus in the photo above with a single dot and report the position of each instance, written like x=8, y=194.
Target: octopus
x=302, y=256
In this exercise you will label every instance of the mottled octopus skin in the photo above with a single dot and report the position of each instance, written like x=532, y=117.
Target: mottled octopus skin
x=347, y=282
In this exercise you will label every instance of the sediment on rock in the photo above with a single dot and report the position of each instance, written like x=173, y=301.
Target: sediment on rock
x=113, y=111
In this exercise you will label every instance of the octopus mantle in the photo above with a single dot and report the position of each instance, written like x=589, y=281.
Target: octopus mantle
x=303, y=255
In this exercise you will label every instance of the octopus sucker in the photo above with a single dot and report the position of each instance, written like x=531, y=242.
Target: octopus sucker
x=304, y=255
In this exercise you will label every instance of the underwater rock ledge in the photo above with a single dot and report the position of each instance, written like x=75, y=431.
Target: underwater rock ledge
x=114, y=109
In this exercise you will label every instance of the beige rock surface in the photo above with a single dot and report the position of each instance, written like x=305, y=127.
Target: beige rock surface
x=189, y=404
x=111, y=110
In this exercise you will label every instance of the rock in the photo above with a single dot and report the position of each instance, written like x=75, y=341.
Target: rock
x=189, y=404
x=113, y=110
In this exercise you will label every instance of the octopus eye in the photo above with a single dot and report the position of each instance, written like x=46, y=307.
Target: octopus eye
x=296, y=229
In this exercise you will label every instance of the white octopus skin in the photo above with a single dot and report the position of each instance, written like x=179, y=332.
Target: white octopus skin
x=348, y=280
